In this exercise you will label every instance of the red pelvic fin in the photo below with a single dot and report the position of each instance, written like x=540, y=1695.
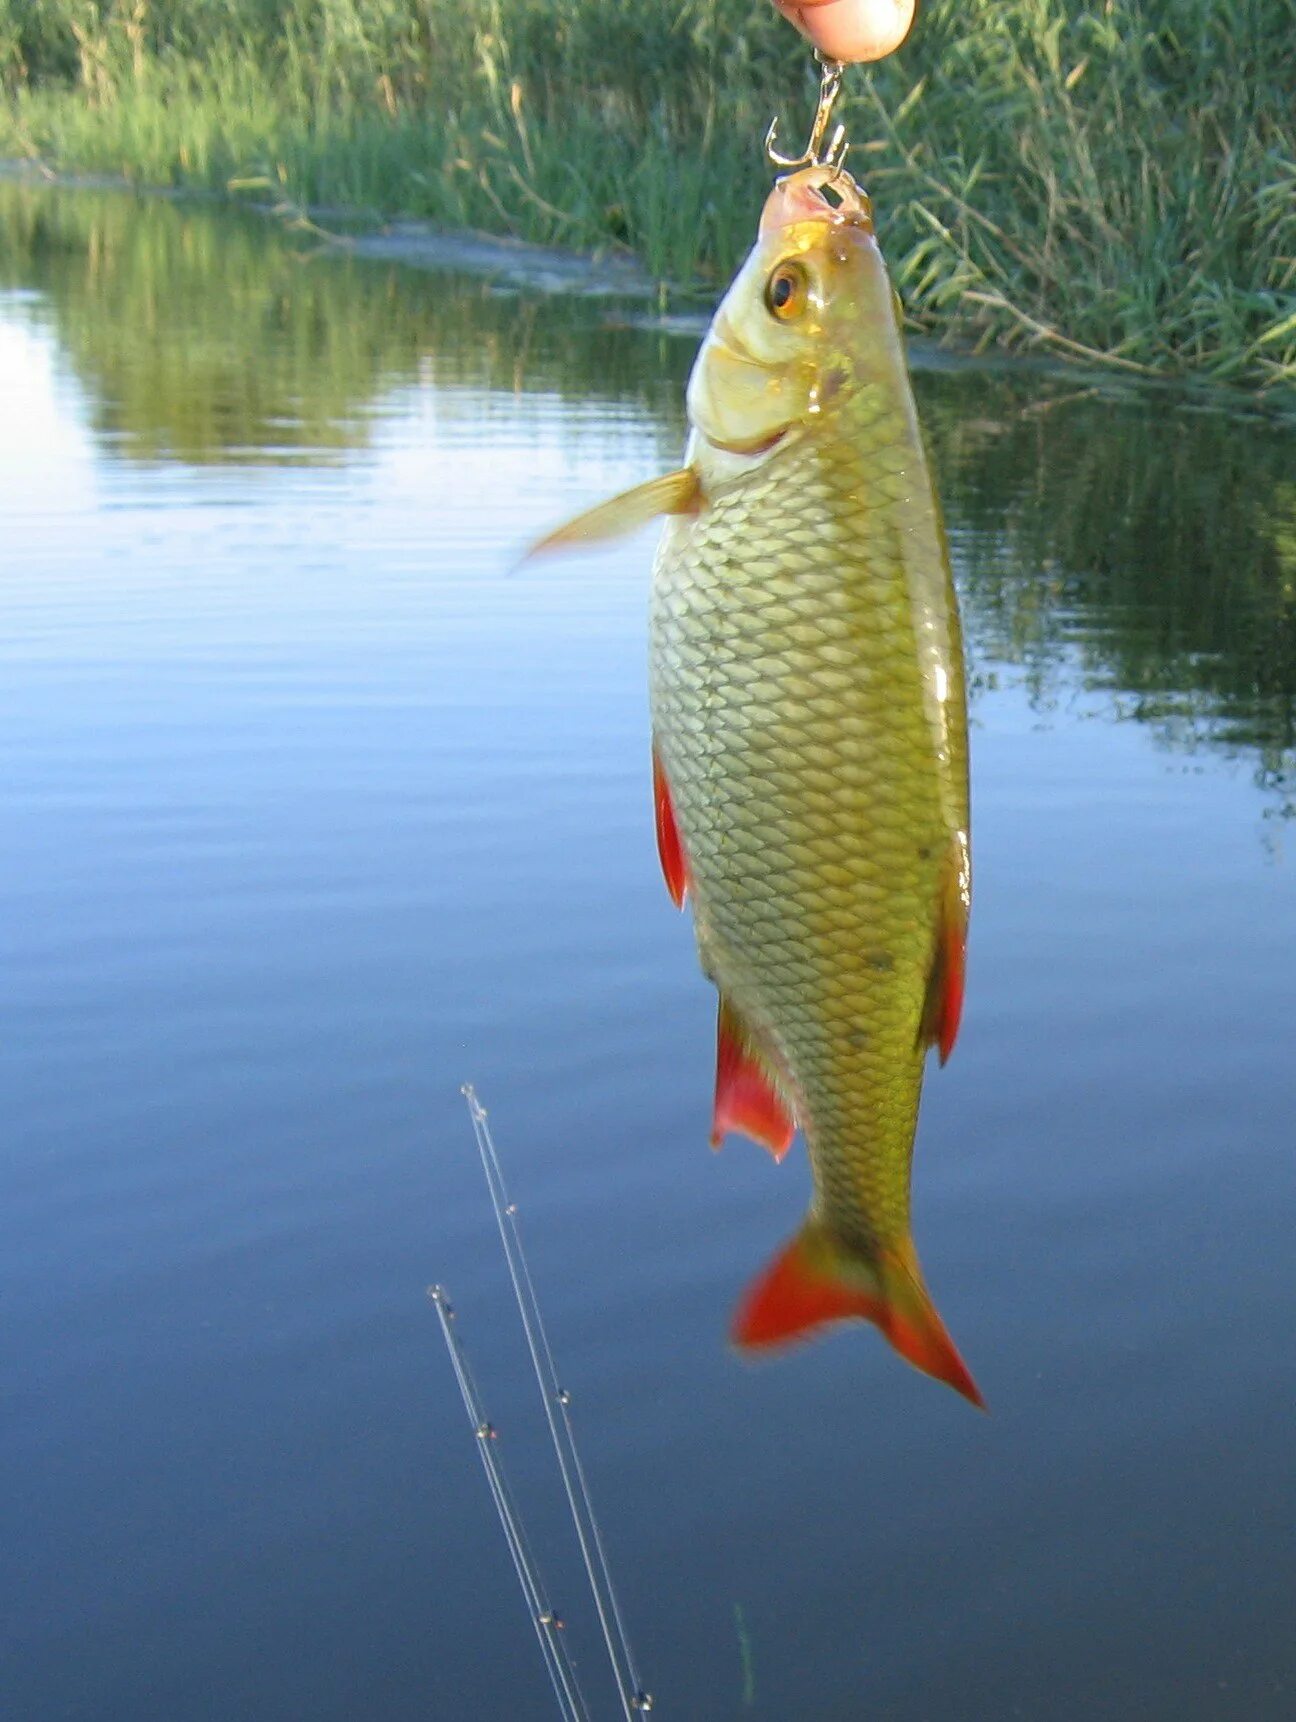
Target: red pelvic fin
x=815, y=1281
x=747, y=1096
x=669, y=847
x=944, y=1003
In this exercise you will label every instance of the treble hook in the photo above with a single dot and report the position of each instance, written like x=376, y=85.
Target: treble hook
x=834, y=156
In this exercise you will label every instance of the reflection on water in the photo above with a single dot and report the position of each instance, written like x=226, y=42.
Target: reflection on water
x=204, y=337
x=315, y=809
x=1150, y=550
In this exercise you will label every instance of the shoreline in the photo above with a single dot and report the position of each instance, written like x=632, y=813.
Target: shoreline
x=1084, y=186
x=523, y=265
x=399, y=239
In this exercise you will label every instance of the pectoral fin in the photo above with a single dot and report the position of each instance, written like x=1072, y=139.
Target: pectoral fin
x=673, y=493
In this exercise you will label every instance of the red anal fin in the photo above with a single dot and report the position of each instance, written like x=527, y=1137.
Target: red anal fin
x=943, y=1008
x=669, y=847
x=815, y=1281
x=746, y=1094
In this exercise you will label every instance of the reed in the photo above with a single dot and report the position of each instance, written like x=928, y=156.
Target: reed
x=1113, y=182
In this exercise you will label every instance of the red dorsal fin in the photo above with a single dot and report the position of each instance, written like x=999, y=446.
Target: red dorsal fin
x=944, y=1003
x=669, y=847
x=817, y=1280
x=747, y=1096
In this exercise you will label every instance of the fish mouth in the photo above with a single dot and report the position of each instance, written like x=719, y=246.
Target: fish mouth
x=798, y=197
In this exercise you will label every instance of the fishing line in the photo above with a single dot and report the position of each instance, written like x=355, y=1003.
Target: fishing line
x=556, y=1401
x=547, y=1623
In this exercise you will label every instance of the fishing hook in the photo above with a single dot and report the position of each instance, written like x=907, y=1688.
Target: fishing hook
x=814, y=155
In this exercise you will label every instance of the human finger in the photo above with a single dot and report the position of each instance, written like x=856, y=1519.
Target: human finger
x=851, y=29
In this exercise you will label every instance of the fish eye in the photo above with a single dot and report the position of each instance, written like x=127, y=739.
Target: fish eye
x=787, y=290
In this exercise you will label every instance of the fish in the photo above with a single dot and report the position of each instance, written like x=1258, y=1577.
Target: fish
x=810, y=755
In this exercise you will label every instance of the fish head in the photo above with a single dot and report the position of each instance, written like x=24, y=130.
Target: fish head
x=810, y=316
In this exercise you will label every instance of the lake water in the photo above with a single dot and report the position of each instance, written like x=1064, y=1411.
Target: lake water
x=314, y=808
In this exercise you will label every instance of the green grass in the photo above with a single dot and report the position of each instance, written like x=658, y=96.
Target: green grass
x=1114, y=182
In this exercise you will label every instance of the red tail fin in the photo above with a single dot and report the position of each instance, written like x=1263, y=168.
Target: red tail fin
x=817, y=1280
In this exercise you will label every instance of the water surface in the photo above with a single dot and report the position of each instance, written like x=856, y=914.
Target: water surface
x=316, y=808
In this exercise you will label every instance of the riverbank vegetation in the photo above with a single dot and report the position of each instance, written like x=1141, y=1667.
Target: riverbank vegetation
x=1113, y=181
